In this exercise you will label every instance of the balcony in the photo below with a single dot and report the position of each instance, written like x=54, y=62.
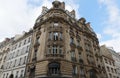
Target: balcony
x=58, y=29
x=55, y=55
x=57, y=42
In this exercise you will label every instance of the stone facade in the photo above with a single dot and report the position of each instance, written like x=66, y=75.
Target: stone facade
x=63, y=47
x=4, y=49
x=16, y=58
x=109, y=63
x=116, y=58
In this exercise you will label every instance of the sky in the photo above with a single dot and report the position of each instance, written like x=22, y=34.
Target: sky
x=17, y=16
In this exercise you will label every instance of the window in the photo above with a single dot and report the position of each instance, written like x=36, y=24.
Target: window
x=82, y=73
x=110, y=75
x=71, y=40
x=7, y=75
x=17, y=74
x=20, y=61
x=54, y=68
x=25, y=59
x=3, y=75
x=18, y=53
x=35, y=55
x=78, y=42
x=92, y=73
x=60, y=50
x=74, y=72
x=54, y=49
x=60, y=35
x=72, y=54
x=22, y=73
x=24, y=42
x=55, y=24
x=27, y=50
x=55, y=34
x=50, y=35
x=14, y=63
x=19, y=44
x=37, y=40
x=49, y=50
x=108, y=69
x=28, y=39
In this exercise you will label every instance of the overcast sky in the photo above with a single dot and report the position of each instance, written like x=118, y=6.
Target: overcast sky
x=17, y=16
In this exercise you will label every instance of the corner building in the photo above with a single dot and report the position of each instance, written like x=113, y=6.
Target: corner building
x=63, y=47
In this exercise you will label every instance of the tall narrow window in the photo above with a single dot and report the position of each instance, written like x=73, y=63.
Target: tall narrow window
x=82, y=73
x=29, y=39
x=49, y=50
x=20, y=61
x=72, y=54
x=60, y=50
x=50, y=35
x=24, y=42
x=7, y=75
x=55, y=35
x=71, y=40
x=37, y=40
x=74, y=70
x=17, y=74
x=22, y=73
x=54, y=49
x=60, y=34
x=35, y=55
x=78, y=43
x=73, y=58
x=25, y=59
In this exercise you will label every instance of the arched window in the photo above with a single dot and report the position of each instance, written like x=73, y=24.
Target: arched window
x=54, y=68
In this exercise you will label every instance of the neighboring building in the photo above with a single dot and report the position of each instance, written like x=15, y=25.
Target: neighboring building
x=116, y=58
x=63, y=47
x=4, y=49
x=109, y=62
x=15, y=63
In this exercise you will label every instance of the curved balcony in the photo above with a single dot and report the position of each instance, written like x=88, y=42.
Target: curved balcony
x=57, y=29
x=55, y=42
x=55, y=55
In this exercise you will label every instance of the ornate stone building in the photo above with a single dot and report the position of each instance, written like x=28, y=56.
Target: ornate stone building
x=109, y=62
x=63, y=47
x=16, y=57
x=4, y=49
